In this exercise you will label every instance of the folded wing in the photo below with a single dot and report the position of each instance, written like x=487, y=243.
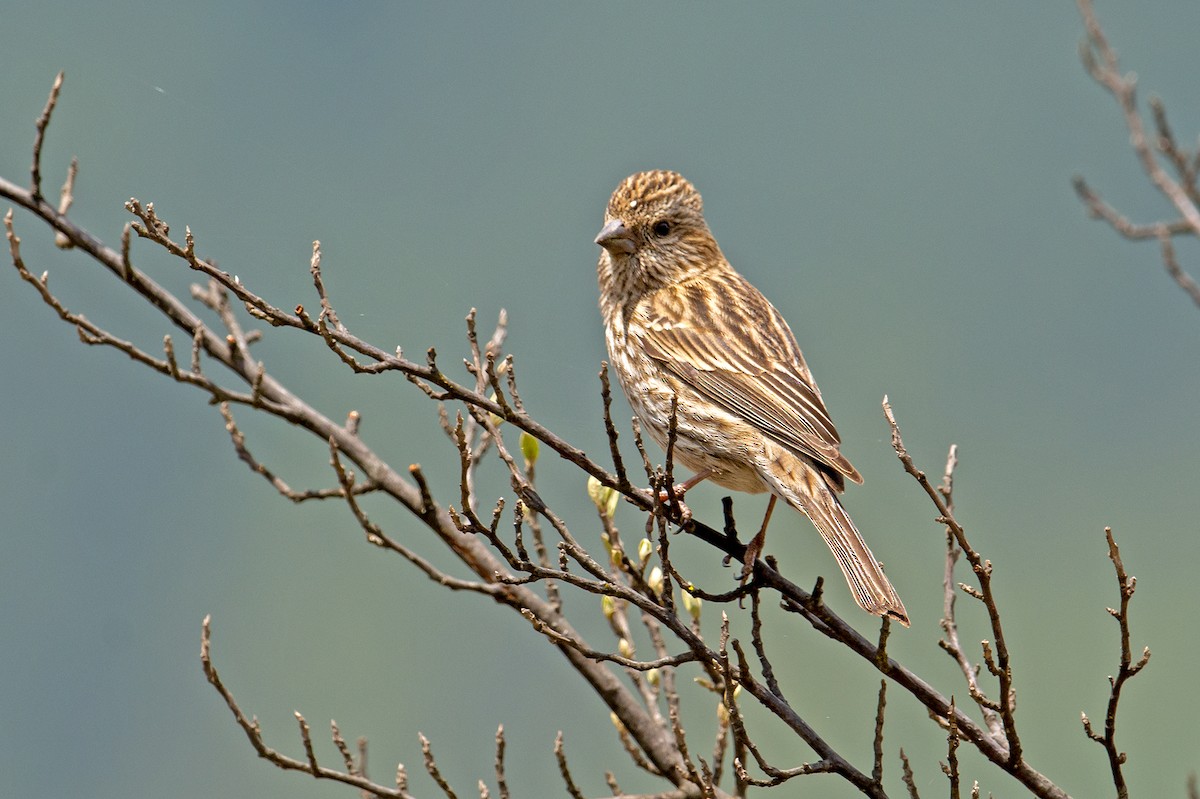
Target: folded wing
x=734, y=348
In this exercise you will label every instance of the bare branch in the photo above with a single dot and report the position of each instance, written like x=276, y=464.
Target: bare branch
x=1101, y=63
x=487, y=408
x=1127, y=669
x=950, y=768
x=1181, y=191
x=595, y=654
x=66, y=197
x=950, y=643
x=343, y=749
x=909, y=782
x=254, y=734
x=501, y=780
x=1002, y=667
x=1181, y=278
x=43, y=121
x=432, y=768
x=877, y=741
x=267, y=394
x=610, y=430
x=239, y=445
x=563, y=769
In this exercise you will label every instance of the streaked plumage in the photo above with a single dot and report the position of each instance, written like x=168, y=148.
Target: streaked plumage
x=679, y=321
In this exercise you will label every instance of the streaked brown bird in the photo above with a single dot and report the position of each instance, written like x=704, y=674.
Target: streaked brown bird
x=681, y=323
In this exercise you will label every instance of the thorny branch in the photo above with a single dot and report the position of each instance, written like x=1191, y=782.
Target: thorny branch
x=636, y=594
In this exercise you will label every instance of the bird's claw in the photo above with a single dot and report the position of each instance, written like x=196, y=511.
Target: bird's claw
x=753, y=550
x=674, y=498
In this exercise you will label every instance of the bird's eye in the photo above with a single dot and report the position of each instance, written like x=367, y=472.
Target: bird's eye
x=661, y=228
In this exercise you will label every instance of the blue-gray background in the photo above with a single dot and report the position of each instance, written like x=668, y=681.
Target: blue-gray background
x=895, y=177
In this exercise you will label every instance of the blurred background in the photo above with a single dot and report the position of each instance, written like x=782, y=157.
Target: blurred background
x=895, y=178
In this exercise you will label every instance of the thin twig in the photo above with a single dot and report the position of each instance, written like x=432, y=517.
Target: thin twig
x=432, y=769
x=66, y=197
x=610, y=430
x=950, y=642
x=1126, y=585
x=238, y=440
x=43, y=121
x=501, y=779
x=877, y=740
x=563, y=769
x=1100, y=60
x=950, y=768
x=907, y=774
x=1001, y=666
x=595, y=654
x=254, y=733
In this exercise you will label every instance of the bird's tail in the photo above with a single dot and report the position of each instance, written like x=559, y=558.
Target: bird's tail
x=808, y=493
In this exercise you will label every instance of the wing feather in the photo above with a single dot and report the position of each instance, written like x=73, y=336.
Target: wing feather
x=730, y=345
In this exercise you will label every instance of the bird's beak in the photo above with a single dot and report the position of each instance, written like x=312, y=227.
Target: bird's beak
x=615, y=238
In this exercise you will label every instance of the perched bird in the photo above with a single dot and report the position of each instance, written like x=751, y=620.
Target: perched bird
x=681, y=323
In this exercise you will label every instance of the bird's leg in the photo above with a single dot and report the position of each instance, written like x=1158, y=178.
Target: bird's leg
x=679, y=489
x=755, y=547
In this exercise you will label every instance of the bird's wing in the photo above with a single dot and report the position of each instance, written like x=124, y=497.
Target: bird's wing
x=724, y=340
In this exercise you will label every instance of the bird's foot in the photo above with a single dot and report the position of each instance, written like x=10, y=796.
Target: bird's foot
x=753, y=550
x=674, y=498
x=755, y=547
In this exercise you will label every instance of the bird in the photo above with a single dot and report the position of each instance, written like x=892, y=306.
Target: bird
x=684, y=329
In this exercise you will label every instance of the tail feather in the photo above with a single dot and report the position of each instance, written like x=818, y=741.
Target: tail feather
x=808, y=493
x=871, y=588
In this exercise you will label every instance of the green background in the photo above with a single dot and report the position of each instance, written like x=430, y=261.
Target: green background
x=895, y=177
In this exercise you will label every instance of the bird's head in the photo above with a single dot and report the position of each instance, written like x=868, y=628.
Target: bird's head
x=654, y=234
